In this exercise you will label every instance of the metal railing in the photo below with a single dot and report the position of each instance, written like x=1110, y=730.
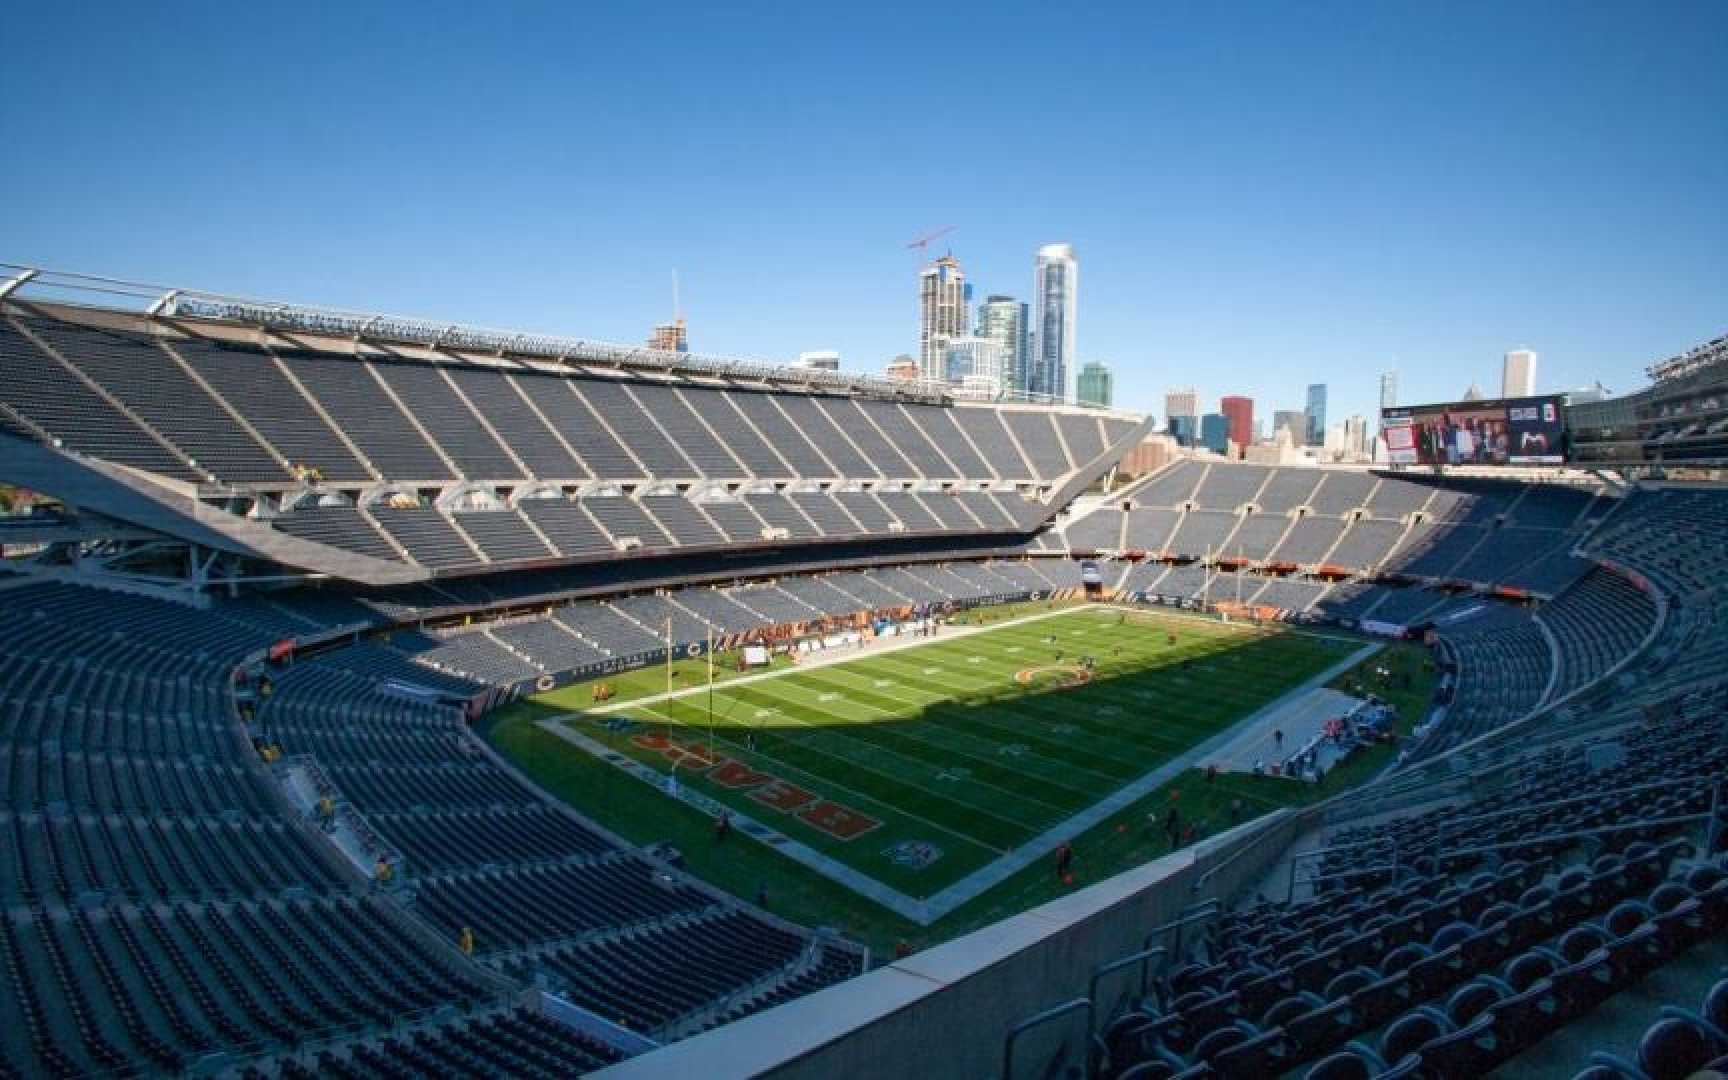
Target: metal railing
x=1050, y=1015
x=1143, y=959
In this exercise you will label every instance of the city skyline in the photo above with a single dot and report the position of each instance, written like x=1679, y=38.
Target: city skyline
x=1018, y=363
x=1393, y=238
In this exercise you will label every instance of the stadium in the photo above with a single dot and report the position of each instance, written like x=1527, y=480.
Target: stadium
x=398, y=698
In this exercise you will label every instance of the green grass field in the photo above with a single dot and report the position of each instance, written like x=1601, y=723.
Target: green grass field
x=941, y=744
x=974, y=744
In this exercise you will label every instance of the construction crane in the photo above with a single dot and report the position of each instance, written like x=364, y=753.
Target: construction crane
x=923, y=242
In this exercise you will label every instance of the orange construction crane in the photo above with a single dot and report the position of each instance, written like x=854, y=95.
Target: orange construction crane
x=924, y=241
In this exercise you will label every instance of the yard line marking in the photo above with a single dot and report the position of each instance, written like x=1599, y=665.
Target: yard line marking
x=885, y=649
x=1017, y=703
x=984, y=878
x=874, y=803
x=1060, y=761
x=852, y=731
x=868, y=752
x=821, y=779
x=841, y=731
x=1161, y=739
x=1056, y=762
x=1204, y=646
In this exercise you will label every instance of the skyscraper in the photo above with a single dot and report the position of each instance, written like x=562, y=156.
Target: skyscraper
x=943, y=305
x=1094, y=384
x=1388, y=392
x=1182, y=414
x=1008, y=321
x=1518, y=376
x=1239, y=411
x=1316, y=414
x=975, y=366
x=1215, y=432
x=1295, y=421
x=1356, y=437
x=1055, y=297
x=1181, y=401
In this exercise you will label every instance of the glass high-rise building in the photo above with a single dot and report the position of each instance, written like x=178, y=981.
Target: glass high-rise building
x=1055, y=299
x=1007, y=321
x=1094, y=384
x=1316, y=414
x=944, y=300
x=1215, y=432
x=975, y=366
x=1182, y=414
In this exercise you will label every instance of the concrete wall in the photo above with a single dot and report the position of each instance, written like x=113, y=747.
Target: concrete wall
x=944, y=1012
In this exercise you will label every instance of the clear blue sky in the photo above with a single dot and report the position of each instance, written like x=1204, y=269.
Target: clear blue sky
x=1260, y=196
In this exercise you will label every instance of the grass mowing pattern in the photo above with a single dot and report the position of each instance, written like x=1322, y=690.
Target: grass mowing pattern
x=645, y=816
x=943, y=744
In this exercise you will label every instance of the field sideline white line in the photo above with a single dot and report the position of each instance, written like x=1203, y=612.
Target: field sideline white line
x=841, y=655
x=925, y=912
x=799, y=852
x=986, y=877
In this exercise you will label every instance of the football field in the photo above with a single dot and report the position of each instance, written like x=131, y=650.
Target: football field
x=916, y=766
